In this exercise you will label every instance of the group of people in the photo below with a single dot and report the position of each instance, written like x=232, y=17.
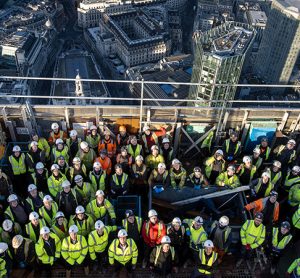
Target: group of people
x=57, y=203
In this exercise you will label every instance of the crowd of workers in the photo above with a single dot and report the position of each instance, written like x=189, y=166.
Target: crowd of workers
x=57, y=204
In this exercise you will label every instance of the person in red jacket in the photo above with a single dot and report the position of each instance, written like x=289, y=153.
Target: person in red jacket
x=152, y=232
x=150, y=138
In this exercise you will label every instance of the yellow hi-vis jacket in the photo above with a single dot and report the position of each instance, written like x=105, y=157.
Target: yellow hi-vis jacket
x=197, y=237
x=41, y=252
x=74, y=252
x=295, y=268
x=138, y=220
x=208, y=263
x=98, y=212
x=296, y=218
x=250, y=234
x=61, y=234
x=85, y=226
x=232, y=182
x=18, y=166
x=123, y=256
x=44, y=214
x=280, y=245
x=30, y=232
x=54, y=185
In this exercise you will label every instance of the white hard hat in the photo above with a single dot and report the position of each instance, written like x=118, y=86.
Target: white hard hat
x=292, y=141
x=33, y=216
x=59, y=141
x=7, y=225
x=84, y=145
x=31, y=187
x=175, y=161
x=122, y=233
x=33, y=143
x=165, y=140
x=161, y=165
x=266, y=174
x=44, y=230
x=99, y=193
x=65, y=183
x=139, y=158
x=224, y=221
x=76, y=160
x=39, y=166
x=59, y=214
x=12, y=198
x=93, y=127
x=176, y=220
x=97, y=165
x=3, y=247
x=54, y=166
x=277, y=163
x=151, y=213
x=146, y=127
x=54, y=126
x=79, y=209
x=220, y=152
x=78, y=178
x=106, y=132
x=296, y=169
x=73, y=229
x=73, y=133
x=256, y=150
x=17, y=241
x=198, y=220
x=99, y=225
x=47, y=198
x=247, y=159
x=208, y=243
x=154, y=147
x=16, y=149
x=165, y=240
x=231, y=167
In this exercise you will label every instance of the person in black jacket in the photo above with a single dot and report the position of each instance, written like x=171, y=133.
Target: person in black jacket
x=40, y=177
x=5, y=260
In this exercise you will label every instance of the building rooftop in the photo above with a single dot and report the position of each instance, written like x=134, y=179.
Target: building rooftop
x=292, y=7
x=257, y=18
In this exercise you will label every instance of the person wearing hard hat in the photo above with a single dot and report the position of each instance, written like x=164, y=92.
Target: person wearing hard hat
x=40, y=178
x=257, y=161
x=207, y=261
x=97, y=178
x=74, y=249
x=197, y=180
x=93, y=138
x=293, y=199
x=119, y=184
x=16, y=211
x=160, y=178
x=262, y=187
x=60, y=227
x=68, y=199
x=98, y=245
x=18, y=170
x=47, y=249
x=292, y=178
x=177, y=175
x=5, y=260
x=6, y=188
x=214, y=166
x=294, y=269
x=153, y=231
x=105, y=162
x=133, y=148
x=246, y=171
x=73, y=143
x=264, y=149
x=123, y=253
x=60, y=149
x=221, y=236
x=167, y=151
x=63, y=165
x=101, y=209
x=87, y=156
x=34, y=201
x=150, y=138
x=42, y=144
x=10, y=229
x=122, y=138
x=164, y=258
x=109, y=144
x=138, y=176
x=55, y=134
x=23, y=253
x=153, y=159
x=33, y=228
x=34, y=155
x=285, y=154
x=55, y=180
x=83, y=221
x=276, y=174
x=228, y=178
x=125, y=159
x=197, y=235
x=232, y=148
x=84, y=189
x=78, y=168
x=296, y=223
x=281, y=240
x=48, y=210
x=176, y=232
x=133, y=225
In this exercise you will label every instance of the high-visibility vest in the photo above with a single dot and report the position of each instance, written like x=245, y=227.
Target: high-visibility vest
x=232, y=181
x=18, y=166
x=294, y=195
x=42, y=253
x=208, y=140
x=227, y=143
x=197, y=237
x=74, y=252
x=165, y=174
x=293, y=154
x=69, y=142
x=55, y=229
x=138, y=221
x=158, y=249
x=258, y=162
x=159, y=230
x=137, y=151
x=85, y=226
x=83, y=168
x=209, y=163
x=33, y=176
x=152, y=162
x=288, y=183
x=93, y=141
x=180, y=176
x=7, y=237
x=170, y=154
x=134, y=169
x=43, y=212
x=54, y=185
x=98, y=184
x=123, y=180
x=276, y=177
x=64, y=152
x=30, y=202
x=30, y=232
x=282, y=243
x=296, y=218
x=252, y=171
x=123, y=256
x=268, y=190
x=154, y=138
x=225, y=232
x=99, y=212
x=85, y=191
x=26, y=249
x=295, y=268
x=267, y=153
x=208, y=263
x=3, y=271
x=250, y=234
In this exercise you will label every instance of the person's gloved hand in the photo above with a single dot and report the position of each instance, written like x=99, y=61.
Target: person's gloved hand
x=188, y=233
x=196, y=187
x=248, y=247
x=133, y=266
x=229, y=158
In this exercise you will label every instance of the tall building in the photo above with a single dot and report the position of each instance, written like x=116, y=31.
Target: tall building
x=219, y=57
x=280, y=44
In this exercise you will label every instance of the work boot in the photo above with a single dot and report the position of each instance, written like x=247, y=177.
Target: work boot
x=68, y=273
x=86, y=271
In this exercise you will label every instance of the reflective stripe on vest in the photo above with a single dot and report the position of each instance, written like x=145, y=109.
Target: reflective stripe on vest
x=209, y=263
x=282, y=243
x=136, y=152
x=289, y=182
x=138, y=221
x=158, y=249
x=281, y=148
x=160, y=227
x=18, y=166
x=116, y=180
x=236, y=147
